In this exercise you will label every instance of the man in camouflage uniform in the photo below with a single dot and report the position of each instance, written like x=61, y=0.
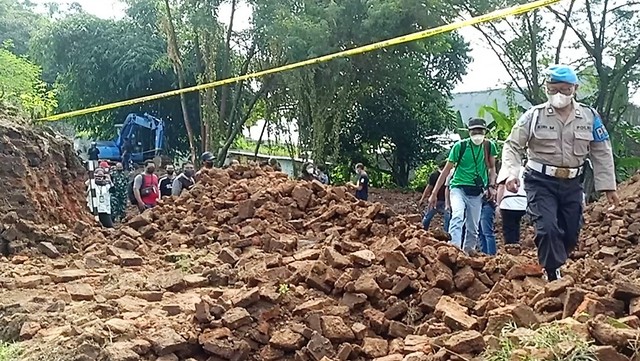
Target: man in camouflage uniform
x=119, y=197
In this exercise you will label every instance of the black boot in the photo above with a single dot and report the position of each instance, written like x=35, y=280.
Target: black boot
x=552, y=274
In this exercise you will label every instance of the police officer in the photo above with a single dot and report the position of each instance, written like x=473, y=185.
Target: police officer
x=558, y=136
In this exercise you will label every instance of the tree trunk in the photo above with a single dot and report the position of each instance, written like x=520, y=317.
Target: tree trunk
x=209, y=108
x=264, y=127
x=200, y=70
x=226, y=65
x=174, y=54
x=222, y=154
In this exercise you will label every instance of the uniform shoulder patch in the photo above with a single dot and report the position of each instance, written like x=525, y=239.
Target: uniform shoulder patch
x=600, y=133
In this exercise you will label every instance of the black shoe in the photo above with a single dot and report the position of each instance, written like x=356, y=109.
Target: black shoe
x=553, y=274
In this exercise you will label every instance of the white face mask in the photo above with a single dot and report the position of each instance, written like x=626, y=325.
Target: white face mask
x=477, y=139
x=310, y=170
x=559, y=100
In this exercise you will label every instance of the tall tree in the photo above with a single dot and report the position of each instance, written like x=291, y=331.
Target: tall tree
x=96, y=61
x=21, y=85
x=18, y=23
x=334, y=103
x=173, y=50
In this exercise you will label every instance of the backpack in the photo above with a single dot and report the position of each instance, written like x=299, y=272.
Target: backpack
x=132, y=197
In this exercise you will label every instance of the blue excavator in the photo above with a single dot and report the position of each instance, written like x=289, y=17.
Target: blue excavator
x=145, y=134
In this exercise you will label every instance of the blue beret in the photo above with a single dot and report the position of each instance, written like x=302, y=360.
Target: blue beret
x=561, y=74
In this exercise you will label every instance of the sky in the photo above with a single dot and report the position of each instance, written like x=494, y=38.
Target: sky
x=485, y=72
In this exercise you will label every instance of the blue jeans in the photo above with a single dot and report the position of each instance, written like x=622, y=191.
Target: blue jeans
x=464, y=210
x=440, y=208
x=486, y=229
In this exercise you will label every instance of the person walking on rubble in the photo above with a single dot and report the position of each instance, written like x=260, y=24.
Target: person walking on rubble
x=308, y=172
x=513, y=206
x=119, y=196
x=361, y=186
x=321, y=174
x=184, y=181
x=441, y=204
x=486, y=227
x=558, y=136
x=475, y=173
x=99, y=189
x=145, y=188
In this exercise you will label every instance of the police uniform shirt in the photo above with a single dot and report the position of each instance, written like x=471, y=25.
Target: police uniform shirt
x=552, y=142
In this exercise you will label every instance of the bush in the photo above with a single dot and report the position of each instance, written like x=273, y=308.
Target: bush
x=421, y=176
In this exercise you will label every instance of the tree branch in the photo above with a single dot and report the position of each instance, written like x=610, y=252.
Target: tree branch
x=581, y=37
x=594, y=31
x=493, y=44
x=238, y=125
x=565, y=28
x=619, y=77
x=603, y=22
x=535, y=81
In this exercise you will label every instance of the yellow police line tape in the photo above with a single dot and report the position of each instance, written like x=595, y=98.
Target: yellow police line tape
x=498, y=14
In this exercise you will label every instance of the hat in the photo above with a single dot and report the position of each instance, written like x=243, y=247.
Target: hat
x=104, y=165
x=561, y=74
x=207, y=157
x=476, y=123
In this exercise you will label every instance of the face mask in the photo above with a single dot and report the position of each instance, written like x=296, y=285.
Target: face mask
x=208, y=164
x=169, y=172
x=150, y=170
x=310, y=170
x=559, y=100
x=189, y=173
x=477, y=139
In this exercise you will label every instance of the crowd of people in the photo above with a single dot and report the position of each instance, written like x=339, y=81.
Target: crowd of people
x=109, y=188
x=542, y=171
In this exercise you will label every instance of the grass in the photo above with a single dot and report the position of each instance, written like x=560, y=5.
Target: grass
x=9, y=352
x=552, y=337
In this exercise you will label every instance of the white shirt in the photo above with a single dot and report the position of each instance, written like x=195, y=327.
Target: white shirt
x=102, y=199
x=514, y=201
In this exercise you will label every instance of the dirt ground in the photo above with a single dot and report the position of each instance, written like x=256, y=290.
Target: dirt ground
x=250, y=265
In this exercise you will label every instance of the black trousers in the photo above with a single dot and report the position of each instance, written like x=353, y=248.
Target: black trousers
x=555, y=207
x=511, y=225
x=105, y=220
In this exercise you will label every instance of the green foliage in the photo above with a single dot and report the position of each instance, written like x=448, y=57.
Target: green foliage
x=501, y=123
x=283, y=289
x=343, y=173
x=22, y=86
x=421, y=176
x=18, y=23
x=382, y=104
x=96, y=61
x=564, y=344
x=265, y=148
x=9, y=352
